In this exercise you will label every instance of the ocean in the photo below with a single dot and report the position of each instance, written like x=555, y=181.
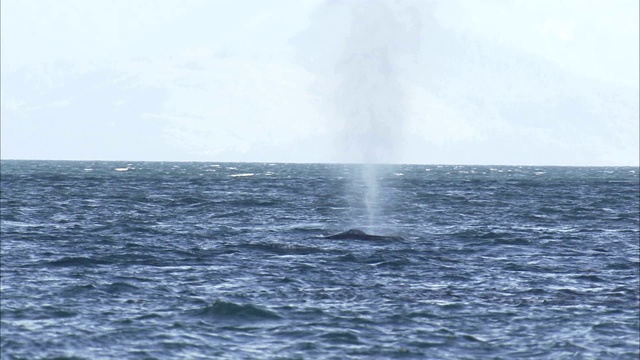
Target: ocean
x=152, y=260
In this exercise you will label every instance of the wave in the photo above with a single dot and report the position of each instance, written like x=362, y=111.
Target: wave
x=121, y=287
x=284, y=248
x=75, y=261
x=221, y=309
x=341, y=337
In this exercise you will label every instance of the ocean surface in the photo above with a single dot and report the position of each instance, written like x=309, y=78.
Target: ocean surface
x=150, y=260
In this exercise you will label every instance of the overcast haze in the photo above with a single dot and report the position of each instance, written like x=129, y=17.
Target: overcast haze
x=433, y=82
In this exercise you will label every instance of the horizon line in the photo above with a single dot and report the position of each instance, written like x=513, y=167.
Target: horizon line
x=315, y=163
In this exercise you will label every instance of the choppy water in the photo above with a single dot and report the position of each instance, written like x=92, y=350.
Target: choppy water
x=204, y=260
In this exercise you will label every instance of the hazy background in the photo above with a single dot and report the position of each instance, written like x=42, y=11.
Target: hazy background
x=440, y=82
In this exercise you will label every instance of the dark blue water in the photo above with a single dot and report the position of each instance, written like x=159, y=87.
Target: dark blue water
x=192, y=260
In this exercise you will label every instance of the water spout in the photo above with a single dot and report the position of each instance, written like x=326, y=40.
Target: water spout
x=363, y=86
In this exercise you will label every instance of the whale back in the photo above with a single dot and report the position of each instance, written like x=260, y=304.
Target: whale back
x=357, y=234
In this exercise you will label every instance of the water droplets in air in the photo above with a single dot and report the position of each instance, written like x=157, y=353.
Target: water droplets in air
x=358, y=50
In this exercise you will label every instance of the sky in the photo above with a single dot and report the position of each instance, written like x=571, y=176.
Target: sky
x=493, y=82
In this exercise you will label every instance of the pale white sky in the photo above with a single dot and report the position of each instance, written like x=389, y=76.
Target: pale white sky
x=538, y=82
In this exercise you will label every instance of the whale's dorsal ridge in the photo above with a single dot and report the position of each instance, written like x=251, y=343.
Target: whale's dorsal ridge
x=357, y=234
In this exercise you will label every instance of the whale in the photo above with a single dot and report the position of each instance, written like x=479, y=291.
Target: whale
x=356, y=234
